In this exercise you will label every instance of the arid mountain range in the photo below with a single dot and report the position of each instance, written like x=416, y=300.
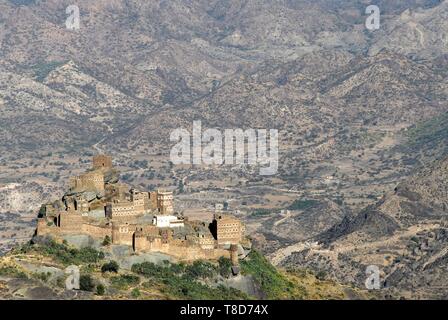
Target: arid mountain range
x=405, y=233
x=359, y=112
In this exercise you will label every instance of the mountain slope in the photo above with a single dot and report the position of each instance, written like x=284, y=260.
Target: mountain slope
x=404, y=234
x=415, y=32
x=37, y=272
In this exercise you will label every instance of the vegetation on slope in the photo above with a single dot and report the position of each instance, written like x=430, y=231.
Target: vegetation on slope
x=293, y=283
x=200, y=280
x=430, y=135
x=194, y=281
x=303, y=204
x=63, y=253
x=42, y=69
x=274, y=284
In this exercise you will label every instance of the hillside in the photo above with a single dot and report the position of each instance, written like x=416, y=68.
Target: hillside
x=405, y=233
x=37, y=272
x=358, y=112
x=416, y=31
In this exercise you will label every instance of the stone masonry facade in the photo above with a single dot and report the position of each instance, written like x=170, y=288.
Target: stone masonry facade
x=145, y=221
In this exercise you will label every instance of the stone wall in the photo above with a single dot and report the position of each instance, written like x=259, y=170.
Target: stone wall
x=124, y=209
x=142, y=239
x=194, y=253
x=92, y=181
x=102, y=161
x=181, y=249
x=123, y=234
x=42, y=227
x=70, y=222
x=153, y=200
x=97, y=232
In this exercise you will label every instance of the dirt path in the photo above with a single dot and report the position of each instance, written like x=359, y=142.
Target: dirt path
x=283, y=253
x=287, y=216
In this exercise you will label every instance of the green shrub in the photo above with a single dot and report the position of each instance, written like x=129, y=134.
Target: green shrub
x=124, y=281
x=44, y=68
x=150, y=269
x=135, y=293
x=201, y=269
x=321, y=275
x=151, y=283
x=60, y=282
x=44, y=276
x=100, y=289
x=11, y=271
x=261, y=212
x=300, y=204
x=225, y=265
x=111, y=266
x=177, y=268
x=107, y=241
x=86, y=283
x=67, y=255
x=180, y=281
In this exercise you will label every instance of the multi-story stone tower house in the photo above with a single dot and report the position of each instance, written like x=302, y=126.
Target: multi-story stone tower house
x=102, y=162
x=227, y=229
x=165, y=202
x=123, y=209
x=140, y=201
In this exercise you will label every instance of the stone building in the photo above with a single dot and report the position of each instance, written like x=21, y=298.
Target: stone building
x=165, y=202
x=118, y=191
x=102, y=162
x=123, y=233
x=140, y=201
x=138, y=204
x=205, y=241
x=167, y=221
x=227, y=229
x=81, y=205
x=153, y=204
x=70, y=221
x=121, y=209
x=143, y=220
x=90, y=181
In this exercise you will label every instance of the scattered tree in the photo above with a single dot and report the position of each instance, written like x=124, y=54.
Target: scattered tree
x=111, y=266
x=86, y=283
x=107, y=241
x=100, y=289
